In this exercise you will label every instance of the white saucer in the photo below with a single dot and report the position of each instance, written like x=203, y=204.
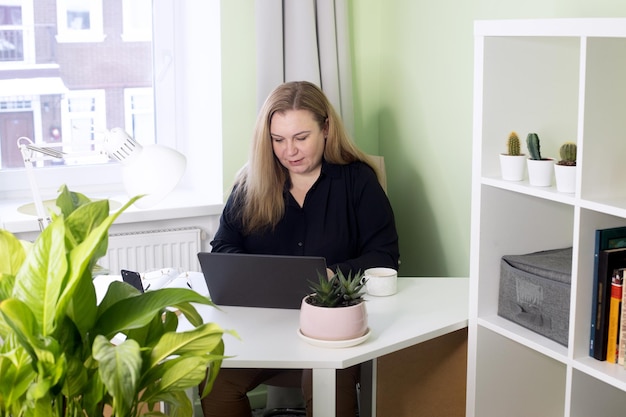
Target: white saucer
x=335, y=343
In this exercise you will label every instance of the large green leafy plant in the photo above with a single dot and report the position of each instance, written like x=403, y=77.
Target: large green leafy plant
x=56, y=354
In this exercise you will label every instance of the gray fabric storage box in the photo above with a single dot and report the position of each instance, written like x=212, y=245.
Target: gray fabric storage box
x=535, y=291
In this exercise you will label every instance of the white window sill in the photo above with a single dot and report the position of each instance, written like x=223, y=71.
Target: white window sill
x=178, y=205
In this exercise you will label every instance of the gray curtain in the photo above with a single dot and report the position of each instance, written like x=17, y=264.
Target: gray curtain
x=305, y=40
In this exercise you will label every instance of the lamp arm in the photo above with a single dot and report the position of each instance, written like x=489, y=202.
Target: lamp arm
x=27, y=155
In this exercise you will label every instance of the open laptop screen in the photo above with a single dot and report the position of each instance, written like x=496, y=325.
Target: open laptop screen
x=249, y=280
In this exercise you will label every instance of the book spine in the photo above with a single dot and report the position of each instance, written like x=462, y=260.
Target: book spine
x=602, y=306
x=622, y=336
x=612, y=346
x=594, y=299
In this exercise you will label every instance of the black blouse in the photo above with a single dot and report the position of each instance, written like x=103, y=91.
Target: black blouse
x=346, y=218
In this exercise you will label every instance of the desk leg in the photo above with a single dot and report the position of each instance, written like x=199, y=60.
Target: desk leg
x=324, y=383
x=374, y=385
x=367, y=397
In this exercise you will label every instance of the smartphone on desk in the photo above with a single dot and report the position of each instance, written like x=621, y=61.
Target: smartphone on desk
x=133, y=278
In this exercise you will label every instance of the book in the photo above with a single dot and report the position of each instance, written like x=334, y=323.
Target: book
x=611, y=238
x=621, y=355
x=615, y=307
x=608, y=261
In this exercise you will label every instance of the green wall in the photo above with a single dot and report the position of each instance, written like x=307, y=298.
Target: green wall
x=413, y=75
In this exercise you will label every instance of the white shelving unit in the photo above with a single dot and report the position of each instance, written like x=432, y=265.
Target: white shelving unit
x=564, y=79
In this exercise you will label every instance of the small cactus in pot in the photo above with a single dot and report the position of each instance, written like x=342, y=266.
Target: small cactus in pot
x=567, y=153
x=565, y=169
x=534, y=146
x=539, y=168
x=512, y=161
x=513, y=145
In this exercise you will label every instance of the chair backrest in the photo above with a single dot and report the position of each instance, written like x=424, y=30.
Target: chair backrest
x=379, y=162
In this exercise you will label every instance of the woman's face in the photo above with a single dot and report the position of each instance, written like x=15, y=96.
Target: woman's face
x=298, y=141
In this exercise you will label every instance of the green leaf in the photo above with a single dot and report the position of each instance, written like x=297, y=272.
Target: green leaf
x=18, y=316
x=7, y=282
x=83, y=256
x=182, y=373
x=42, y=277
x=179, y=404
x=214, y=369
x=82, y=221
x=76, y=379
x=119, y=368
x=68, y=200
x=201, y=340
x=93, y=395
x=14, y=253
x=176, y=374
x=136, y=312
x=116, y=291
x=82, y=309
x=17, y=374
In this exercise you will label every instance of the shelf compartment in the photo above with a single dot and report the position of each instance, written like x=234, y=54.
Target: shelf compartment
x=604, y=147
x=529, y=85
x=508, y=381
x=589, y=221
x=593, y=397
x=512, y=224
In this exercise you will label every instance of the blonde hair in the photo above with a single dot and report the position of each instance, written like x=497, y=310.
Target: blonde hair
x=261, y=182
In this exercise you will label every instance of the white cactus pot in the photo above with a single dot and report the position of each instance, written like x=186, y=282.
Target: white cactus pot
x=540, y=172
x=565, y=178
x=512, y=167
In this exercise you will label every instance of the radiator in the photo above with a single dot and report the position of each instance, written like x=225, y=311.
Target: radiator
x=153, y=249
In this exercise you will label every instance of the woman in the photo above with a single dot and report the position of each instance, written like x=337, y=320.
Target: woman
x=306, y=190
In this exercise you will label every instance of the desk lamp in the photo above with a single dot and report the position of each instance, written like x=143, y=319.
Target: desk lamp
x=152, y=170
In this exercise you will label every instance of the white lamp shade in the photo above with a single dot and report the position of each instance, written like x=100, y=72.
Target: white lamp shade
x=152, y=171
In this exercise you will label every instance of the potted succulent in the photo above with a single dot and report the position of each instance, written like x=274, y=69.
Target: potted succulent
x=539, y=168
x=335, y=311
x=62, y=354
x=512, y=163
x=565, y=169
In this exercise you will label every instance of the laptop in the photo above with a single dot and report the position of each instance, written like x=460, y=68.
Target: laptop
x=249, y=280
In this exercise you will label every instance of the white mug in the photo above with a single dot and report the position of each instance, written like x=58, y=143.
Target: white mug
x=381, y=281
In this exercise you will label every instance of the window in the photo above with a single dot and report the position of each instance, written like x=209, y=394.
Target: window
x=76, y=95
x=139, y=117
x=84, y=116
x=16, y=34
x=136, y=26
x=79, y=21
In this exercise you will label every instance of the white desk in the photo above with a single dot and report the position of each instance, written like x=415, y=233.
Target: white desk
x=423, y=309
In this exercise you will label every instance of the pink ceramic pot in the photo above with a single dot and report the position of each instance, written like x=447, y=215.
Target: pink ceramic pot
x=337, y=323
